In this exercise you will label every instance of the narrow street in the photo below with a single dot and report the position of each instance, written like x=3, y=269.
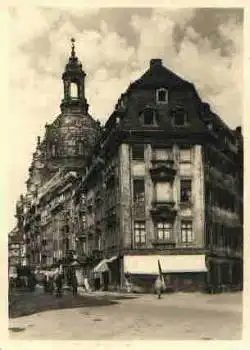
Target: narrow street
x=106, y=316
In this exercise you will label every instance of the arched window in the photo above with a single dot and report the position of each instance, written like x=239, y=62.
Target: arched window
x=80, y=148
x=73, y=90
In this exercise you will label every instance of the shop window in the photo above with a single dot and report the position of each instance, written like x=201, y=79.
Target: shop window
x=140, y=233
x=164, y=230
x=186, y=190
x=162, y=96
x=139, y=190
x=186, y=232
x=138, y=152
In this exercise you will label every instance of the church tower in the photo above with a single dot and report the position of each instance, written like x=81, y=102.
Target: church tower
x=74, y=85
x=70, y=137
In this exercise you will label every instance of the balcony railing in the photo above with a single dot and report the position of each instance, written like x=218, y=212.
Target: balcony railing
x=163, y=209
x=163, y=170
x=164, y=243
x=139, y=209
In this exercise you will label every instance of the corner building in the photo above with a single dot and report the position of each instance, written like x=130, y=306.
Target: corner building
x=165, y=183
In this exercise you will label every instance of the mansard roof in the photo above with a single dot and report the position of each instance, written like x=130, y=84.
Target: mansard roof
x=158, y=76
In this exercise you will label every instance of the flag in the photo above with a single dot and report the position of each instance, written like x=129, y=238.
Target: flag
x=161, y=276
x=159, y=267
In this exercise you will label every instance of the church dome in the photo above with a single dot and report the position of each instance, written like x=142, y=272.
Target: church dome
x=69, y=139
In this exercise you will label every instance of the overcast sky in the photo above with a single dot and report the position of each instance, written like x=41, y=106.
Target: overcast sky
x=204, y=46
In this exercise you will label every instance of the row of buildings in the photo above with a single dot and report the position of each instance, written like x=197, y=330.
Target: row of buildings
x=161, y=180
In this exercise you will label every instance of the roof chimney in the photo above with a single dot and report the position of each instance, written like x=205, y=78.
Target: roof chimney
x=155, y=62
x=238, y=130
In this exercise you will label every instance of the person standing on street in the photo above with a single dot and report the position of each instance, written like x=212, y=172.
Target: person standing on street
x=58, y=278
x=74, y=282
x=158, y=286
x=45, y=282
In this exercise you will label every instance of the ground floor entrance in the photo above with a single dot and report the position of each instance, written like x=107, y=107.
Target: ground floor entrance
x=225, y=274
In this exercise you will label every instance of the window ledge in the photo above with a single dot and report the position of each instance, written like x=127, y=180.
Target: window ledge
x=186, y=204
x=150, y=125
x=163, y=241
x=182, y=126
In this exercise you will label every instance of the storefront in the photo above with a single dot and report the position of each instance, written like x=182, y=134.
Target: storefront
x=106, y=274
x=181, y=272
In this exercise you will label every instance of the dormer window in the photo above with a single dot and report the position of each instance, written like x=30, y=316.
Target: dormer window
x=162, y=96
x=210, y=126
x=180, y=117
x=149, y=116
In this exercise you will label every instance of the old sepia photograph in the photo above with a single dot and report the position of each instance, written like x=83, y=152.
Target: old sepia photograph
x=125, y=173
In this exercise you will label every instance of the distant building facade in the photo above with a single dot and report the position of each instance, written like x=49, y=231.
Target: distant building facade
x=45, y=212
x=162, y=180
x=15, y=248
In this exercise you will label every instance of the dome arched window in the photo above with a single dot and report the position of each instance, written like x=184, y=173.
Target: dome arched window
x=53, y=150
x=73, y=90
x=80, y=148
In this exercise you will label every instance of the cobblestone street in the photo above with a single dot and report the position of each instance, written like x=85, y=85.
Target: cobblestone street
x=106, y=316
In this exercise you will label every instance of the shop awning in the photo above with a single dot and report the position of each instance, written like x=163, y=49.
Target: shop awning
x=148, y=264
x=112, y=259
x=101, y=267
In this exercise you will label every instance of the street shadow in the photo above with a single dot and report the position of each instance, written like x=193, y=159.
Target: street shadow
x=17, y=329
x=41, y=303
x=32, y=304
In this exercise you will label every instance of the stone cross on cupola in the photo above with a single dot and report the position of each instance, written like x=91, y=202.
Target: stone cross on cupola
x=74, y=89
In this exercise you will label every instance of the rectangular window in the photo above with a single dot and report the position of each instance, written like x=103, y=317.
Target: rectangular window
x=180, y=117
x=138, y=152
x=139, y=191
x=186, y=190
x=164, y=230
x=149, y=117
x=185, y=155
x=186, y=232
x=140, y=232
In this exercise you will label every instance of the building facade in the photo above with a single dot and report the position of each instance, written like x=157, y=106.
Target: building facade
x=161, y=181
x=48, y=213
x=15, y=248
x=165, y=183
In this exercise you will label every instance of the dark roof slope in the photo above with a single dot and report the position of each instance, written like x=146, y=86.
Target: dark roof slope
x=158, y=76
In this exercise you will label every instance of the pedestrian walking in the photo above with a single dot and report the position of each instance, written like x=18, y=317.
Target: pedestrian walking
x=45, y=282
x=58, y=278
x=158, y=286
x=50, y=282
x=74, y=282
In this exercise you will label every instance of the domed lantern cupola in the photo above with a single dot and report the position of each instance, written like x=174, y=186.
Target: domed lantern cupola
x=74, y=89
